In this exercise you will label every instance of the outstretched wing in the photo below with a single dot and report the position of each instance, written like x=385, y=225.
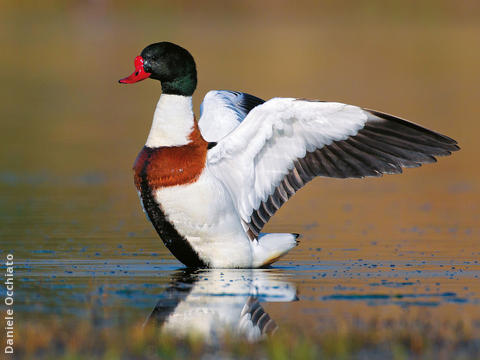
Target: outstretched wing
x=286, y=142
x=221, y=111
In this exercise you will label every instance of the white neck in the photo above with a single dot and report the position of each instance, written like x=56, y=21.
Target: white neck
x=172, y=121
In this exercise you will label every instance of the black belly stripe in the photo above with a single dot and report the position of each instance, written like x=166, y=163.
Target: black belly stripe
x=173, y=240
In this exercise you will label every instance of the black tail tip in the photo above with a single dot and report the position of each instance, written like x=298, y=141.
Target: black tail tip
x=297, y=236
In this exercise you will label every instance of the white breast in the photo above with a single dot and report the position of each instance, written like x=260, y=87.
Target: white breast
x=203, y=212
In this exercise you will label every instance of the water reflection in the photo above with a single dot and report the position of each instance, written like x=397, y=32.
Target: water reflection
x=215, y=301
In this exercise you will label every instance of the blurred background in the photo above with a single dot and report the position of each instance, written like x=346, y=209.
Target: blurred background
x=66, y=123
x=63, y=111
x=70, y=132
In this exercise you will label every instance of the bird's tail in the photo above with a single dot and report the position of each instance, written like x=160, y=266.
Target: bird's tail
x=271, y=247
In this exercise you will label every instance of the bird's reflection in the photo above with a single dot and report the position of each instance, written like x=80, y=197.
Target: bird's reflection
x=218, y=301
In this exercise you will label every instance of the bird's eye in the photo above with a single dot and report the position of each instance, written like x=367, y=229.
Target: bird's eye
x=136, y=74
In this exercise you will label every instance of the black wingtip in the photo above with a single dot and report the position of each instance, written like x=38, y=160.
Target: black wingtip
x=437, y=136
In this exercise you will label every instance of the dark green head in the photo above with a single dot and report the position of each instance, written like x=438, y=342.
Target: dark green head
x=171, y=64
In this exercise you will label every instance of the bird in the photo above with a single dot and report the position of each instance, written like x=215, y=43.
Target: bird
x=210, y=186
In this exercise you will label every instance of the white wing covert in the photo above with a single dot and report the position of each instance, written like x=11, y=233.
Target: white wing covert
x=286, y=142
x=222, y=110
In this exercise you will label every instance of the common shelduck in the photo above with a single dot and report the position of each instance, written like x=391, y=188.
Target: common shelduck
x=209, y=187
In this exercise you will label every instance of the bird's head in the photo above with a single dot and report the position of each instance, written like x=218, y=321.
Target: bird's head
x=169, y=63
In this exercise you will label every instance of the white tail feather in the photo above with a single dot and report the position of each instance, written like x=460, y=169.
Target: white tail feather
x=270, y=247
